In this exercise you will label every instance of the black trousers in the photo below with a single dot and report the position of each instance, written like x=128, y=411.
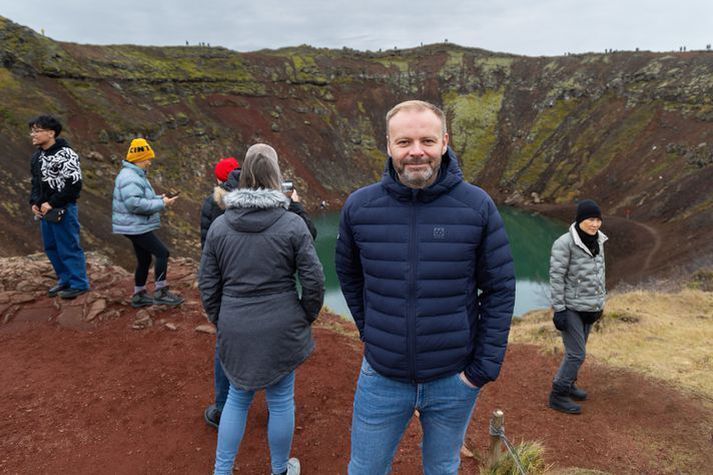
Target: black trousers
x=145, y=246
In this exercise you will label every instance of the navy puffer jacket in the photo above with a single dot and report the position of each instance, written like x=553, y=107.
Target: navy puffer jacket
x=428, y=277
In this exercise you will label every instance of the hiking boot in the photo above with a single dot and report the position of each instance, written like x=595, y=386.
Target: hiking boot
x=560, y=400
x=212, y=415
x=70, y=293
x=141, y=299
x=293, y=467
x=56, y=289
x=578, y=394
x=163, y=297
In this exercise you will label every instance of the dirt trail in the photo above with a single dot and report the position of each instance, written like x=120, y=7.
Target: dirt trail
x=117, y=400
x=656, y=247
x=645, y=242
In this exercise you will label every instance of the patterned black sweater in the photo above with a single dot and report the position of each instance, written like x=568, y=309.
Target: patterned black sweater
x=56, y=175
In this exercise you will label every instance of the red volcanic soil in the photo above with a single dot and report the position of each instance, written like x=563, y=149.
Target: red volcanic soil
x=82, y=398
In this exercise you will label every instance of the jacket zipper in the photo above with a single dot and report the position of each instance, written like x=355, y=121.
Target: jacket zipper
x=411, y=308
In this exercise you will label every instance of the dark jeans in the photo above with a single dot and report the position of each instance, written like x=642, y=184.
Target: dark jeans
x=146, y=245
x=222, y=385
x=575, y=348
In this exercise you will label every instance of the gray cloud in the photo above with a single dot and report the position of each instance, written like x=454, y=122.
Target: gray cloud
x=545, y=27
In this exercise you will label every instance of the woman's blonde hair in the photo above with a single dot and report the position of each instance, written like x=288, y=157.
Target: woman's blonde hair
x=261, y=170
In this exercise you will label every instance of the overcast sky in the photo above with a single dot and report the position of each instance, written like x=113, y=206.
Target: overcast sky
x=530, y=27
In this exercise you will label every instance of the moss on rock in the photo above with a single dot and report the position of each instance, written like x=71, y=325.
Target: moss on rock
x=473, y=120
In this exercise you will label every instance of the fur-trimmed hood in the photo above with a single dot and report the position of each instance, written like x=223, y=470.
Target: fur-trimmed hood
x=218, y=195
x=219, y=192
x=260, y=198
x=251, y=210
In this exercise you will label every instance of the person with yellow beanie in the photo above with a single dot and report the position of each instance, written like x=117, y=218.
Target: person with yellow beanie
x=136, y=210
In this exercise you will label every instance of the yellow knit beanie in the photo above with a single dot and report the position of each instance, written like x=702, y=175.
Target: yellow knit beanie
x=139, y=150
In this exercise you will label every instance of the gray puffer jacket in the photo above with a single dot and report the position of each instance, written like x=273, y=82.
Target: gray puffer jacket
x=577, y=279
x=135, y=207
x=247, y=284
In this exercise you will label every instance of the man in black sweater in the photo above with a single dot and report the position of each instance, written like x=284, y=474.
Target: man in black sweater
x=56, y=183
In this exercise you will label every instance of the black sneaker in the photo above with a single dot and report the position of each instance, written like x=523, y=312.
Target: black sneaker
x=141, y=299
x=163, y=297
x=56, y=289
x=71, y=293
x=212, y=415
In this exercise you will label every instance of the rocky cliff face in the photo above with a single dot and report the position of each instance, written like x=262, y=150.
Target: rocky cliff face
x=633, y=130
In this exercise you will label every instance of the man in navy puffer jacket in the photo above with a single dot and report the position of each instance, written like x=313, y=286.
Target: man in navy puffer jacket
x=425, y=266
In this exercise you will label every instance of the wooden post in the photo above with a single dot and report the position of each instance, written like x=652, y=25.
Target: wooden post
x=496, y=425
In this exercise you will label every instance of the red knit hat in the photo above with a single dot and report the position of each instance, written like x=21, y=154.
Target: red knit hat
x=224, y=167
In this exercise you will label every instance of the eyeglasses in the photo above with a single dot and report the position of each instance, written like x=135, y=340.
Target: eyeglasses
x=37, y=131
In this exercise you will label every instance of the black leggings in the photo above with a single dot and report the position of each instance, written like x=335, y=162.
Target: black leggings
x=146, y=245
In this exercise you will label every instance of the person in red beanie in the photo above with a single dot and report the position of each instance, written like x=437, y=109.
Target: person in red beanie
x=227, y=174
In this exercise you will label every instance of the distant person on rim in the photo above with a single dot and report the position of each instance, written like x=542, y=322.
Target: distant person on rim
x=136, y=213
x=577, y=279
x=56, y=183
x=227, y=173
x=425, y=266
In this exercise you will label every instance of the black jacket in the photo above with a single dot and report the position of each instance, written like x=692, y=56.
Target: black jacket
x=213, y=206
x=56, y=175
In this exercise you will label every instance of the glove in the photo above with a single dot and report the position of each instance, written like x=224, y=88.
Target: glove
x=560, y=320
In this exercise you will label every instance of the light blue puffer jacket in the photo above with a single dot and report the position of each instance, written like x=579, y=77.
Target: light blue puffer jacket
x=135, y=206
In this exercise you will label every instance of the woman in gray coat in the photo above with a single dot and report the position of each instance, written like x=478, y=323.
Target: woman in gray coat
x=248, y=287
x=577, y=278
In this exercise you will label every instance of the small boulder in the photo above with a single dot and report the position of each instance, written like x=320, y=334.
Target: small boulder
x=95, y=309
x=206, y=328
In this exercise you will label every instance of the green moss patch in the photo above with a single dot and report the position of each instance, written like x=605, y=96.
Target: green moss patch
x=473, y=127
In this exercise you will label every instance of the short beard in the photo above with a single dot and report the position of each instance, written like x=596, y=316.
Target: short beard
x=417, y=179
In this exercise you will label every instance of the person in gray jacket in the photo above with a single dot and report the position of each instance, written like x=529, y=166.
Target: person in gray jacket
x=135, y=213
x=248, y=288
x=577, y=279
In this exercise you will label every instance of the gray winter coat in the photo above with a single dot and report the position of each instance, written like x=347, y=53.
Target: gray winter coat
x=577, y=279
x=247, y=284
x=135, y=207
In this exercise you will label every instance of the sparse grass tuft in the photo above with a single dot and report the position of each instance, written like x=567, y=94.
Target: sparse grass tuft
x=532, y=458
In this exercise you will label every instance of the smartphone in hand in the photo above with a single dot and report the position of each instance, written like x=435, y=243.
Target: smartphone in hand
x=287, y=187
x=172, y=194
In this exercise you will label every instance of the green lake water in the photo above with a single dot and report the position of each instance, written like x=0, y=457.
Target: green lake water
x=531, y=237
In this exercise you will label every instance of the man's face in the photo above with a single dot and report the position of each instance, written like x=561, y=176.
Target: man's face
x=41, y=137
x=416, y=143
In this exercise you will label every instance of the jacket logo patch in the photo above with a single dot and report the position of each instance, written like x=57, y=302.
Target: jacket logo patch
x=439, y=232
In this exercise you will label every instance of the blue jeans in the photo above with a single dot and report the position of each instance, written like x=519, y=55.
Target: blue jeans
x=220, y=380
x=383, y=408
x=280, y=425
x=61, y=242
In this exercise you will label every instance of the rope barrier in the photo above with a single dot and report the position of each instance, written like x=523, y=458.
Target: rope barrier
x=500, y=432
